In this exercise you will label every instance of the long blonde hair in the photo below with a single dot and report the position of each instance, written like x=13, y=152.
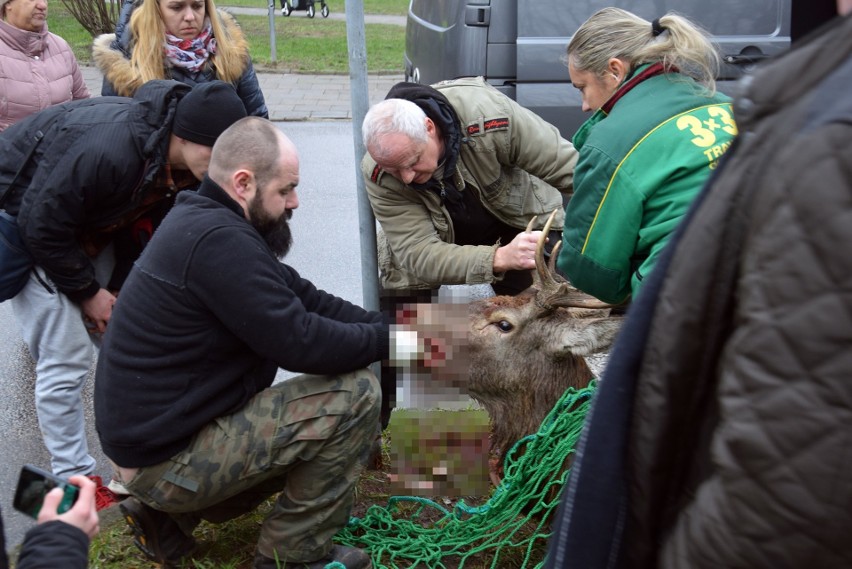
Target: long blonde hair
x=148, y=32
x=612, y=32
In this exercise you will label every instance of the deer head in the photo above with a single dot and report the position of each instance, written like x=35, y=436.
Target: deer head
x=518, y=354
x=525, y=351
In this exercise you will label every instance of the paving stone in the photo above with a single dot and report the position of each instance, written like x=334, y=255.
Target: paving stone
x=293, y=97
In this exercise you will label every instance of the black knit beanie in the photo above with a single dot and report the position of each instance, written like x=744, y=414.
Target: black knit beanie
x=206, y=111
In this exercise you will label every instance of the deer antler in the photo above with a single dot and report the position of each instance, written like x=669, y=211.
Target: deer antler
x=553, y=290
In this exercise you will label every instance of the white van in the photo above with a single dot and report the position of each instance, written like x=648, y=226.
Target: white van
x=519, y=45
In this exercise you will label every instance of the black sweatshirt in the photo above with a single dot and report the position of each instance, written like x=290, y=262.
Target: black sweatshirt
x=204, y=320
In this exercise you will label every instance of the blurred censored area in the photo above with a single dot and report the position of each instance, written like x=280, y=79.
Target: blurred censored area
x=440, y=439
x=434, y=369
x=439, y=452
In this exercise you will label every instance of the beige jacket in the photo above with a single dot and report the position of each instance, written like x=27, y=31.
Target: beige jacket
x=520, y=169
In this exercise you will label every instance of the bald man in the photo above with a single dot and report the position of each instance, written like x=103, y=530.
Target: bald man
x=184, y=402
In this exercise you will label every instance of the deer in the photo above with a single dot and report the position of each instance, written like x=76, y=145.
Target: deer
x=517, y=355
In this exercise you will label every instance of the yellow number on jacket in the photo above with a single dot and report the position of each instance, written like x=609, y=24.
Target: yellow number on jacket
x=704, y=137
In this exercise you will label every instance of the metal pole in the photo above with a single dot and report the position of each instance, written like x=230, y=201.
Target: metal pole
x=272, y=55
x=360, y=104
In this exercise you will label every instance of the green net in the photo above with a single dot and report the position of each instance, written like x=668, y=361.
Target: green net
x=510, y=530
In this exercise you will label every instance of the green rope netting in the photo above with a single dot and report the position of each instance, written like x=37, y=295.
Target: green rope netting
x=514, y=522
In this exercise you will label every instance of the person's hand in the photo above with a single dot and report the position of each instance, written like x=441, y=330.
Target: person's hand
x=98, y=309
x=83, y=514
x=519, y=255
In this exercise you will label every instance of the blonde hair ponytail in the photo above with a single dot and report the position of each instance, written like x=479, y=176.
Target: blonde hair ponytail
x=615, y=33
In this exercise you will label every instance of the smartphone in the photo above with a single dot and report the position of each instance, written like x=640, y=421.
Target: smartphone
x=34, y=483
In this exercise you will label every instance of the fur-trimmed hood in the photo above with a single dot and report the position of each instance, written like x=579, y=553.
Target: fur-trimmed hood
x=111, y=57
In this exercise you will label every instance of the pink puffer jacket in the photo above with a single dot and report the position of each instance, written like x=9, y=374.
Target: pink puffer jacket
x=37, y=70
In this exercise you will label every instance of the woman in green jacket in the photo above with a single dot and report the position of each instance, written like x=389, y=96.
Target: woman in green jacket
x=657, y=132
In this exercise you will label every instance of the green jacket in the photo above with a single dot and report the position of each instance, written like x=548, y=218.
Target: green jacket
x=640, y=167
x=517, y=162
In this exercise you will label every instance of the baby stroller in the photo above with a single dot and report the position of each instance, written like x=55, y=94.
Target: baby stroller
x=288, y=6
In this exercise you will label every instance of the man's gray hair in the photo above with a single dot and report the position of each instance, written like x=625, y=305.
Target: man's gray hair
x=393, y=116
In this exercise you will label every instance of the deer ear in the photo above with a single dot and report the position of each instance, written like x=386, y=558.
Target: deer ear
x=587, y=336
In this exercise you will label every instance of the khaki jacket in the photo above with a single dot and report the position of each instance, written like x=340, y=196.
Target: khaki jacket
x=518, y=164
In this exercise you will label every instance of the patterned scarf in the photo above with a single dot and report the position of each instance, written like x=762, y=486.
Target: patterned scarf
x=191, y=54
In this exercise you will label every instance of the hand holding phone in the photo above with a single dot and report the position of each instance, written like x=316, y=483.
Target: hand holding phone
x=46, y=497
x=34, y=484
x=83, y=514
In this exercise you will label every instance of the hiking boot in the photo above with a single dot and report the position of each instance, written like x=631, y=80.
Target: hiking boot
x=104, y=497
x=349, y=557
x=156, y=534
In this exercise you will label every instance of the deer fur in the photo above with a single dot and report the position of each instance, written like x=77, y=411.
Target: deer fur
x=521, y=353
x=518, y=375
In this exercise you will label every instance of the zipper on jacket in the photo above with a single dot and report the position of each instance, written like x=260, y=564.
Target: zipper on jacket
x=43, y=282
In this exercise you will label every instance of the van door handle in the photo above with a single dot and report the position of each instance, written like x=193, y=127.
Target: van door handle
x=477, y=16
x=744, y=58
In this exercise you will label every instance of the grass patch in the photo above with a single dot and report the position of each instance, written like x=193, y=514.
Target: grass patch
x=306, y=45
x=62, y=23
x=303, y=45
x=389, y=7
x=230, y=545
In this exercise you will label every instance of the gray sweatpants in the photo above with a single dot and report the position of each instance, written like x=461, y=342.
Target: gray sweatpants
x=53, y=329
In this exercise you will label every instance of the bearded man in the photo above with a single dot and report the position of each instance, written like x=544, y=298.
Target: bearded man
x=184, y=401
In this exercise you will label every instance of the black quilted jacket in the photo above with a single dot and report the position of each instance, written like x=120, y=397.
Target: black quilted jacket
x=92, y=163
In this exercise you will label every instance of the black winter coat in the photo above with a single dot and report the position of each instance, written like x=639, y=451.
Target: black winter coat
x=49, y=545
x=90, y=165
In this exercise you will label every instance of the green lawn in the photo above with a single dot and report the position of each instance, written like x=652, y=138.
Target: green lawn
x=303, y=45
x=398, y=7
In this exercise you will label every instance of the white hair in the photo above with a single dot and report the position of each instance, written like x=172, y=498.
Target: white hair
x=393, y=116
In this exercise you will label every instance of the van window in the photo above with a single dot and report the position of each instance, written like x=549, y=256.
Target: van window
x=519, y=45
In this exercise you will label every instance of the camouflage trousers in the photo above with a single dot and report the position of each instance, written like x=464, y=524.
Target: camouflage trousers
x=305, y=437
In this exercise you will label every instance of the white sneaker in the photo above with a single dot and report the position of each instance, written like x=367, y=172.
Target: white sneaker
x=118, y=488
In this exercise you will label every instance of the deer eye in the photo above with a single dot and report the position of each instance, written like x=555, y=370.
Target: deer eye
x=505, y=326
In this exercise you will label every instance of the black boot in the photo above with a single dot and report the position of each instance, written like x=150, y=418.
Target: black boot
x=349, y=557
x=156, y=534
